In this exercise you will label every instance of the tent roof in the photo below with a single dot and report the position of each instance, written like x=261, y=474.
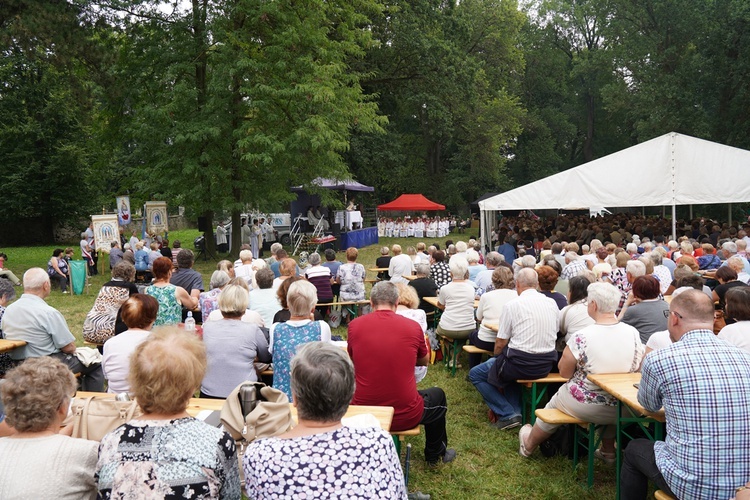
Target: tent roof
x=411, y=202
x=337, y=185
x=670, y=169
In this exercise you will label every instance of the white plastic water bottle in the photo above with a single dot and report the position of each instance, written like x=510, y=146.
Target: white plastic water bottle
x=190, y=322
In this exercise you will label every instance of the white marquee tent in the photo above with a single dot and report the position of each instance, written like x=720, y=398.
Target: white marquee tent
x=673, y=169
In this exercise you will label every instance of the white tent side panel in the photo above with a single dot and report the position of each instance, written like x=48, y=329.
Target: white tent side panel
x=708, y=172
x=636, y=176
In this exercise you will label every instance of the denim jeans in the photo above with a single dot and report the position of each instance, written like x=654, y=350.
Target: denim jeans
x=505, y=406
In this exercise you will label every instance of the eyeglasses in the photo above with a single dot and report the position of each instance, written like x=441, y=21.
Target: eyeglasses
x=667, y=313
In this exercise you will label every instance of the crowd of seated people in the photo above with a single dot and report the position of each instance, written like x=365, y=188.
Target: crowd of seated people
x=589, y=299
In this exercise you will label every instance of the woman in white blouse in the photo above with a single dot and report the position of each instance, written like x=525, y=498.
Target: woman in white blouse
x=139, y=314
x=737, y=308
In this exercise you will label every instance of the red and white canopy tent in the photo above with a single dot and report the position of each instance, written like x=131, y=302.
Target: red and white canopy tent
x=410, y=202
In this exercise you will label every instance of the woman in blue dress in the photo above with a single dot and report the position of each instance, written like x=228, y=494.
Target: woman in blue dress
x=300, y=329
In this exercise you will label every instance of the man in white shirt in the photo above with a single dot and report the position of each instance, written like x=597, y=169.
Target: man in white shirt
x=400, y=265
x=221, y=238
x=524, y=349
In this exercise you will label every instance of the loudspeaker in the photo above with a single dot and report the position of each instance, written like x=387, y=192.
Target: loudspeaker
x=203, y=224
x=336, y=229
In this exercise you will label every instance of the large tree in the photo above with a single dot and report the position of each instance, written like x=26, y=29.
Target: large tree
x=228, y=104
x=443, y=73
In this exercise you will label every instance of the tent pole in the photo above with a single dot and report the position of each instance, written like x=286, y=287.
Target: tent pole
x=482, y=232
x=729, y=214
x=674, y=222
x=691, y=212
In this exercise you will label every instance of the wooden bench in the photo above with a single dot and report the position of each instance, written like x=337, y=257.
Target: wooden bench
x=537, y=389
x=585, y=435
x=472, y=349
x=660, y=495
x=400, y=436
x=352, y=305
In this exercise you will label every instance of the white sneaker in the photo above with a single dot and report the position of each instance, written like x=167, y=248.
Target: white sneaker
x=523, y=433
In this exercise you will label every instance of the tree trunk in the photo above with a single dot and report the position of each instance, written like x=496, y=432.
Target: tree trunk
x=234, y=252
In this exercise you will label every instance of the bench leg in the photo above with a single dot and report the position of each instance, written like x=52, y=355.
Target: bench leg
x=397, y=443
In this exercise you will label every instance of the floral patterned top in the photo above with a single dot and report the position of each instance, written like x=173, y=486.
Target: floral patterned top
x=209, y=302
x=286, y=339
x=170, y=309
x=602, y=349
x=175, y=459
x=346, y=463
x=352, y=276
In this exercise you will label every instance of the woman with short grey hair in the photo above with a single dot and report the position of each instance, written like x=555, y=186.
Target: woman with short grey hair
x=425, y=286
x=209, y=301
x=299, y=329
x=322, y=379
x=456, y=299
x=231, y=346
x=38, y=462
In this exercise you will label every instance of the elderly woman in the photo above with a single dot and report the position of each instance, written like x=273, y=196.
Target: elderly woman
x=300, y=329
x=57, y=268
x=727, y=278
x=489, y=311
x=472, y=257
x=439, y=269
x=619, y=274
x=7, y=293
x=349, y=462
x=456, y=300
x=232, y=345
x=171, y=298
x=245, y=269
x=38, y=462
x=139, y=314
x=103, y=320
x=283, y=315
x=227, y=266
x=192, y=459
x=547, y=282
x=424, y=285
x=209, y=301
x=141, y=257
x=263, y=299
x=738, y=310
x=643, y=309
x=320, y=276
x=607, y=346
x=351, y=277
x=408, y=303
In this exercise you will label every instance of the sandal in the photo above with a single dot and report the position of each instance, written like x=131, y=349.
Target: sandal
x=607, y=457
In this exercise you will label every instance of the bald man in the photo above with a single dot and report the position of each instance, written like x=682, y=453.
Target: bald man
x=45, y=330
x=703, y=383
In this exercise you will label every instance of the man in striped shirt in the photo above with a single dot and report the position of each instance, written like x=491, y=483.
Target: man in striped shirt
x=703, y=383
x=524, y=349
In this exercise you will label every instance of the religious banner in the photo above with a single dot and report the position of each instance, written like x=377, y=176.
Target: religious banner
x=105, y=231
x=123, y=210
x=156, y=217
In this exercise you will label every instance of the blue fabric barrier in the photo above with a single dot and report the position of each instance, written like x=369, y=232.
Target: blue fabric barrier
x=359, y=238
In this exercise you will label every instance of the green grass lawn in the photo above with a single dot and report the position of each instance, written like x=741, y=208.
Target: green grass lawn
x=488, y=465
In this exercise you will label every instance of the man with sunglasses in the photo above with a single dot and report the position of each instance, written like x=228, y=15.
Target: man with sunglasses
x=703, y=383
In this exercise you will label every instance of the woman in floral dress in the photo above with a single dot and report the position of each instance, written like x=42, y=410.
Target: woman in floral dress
x=171, y=298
